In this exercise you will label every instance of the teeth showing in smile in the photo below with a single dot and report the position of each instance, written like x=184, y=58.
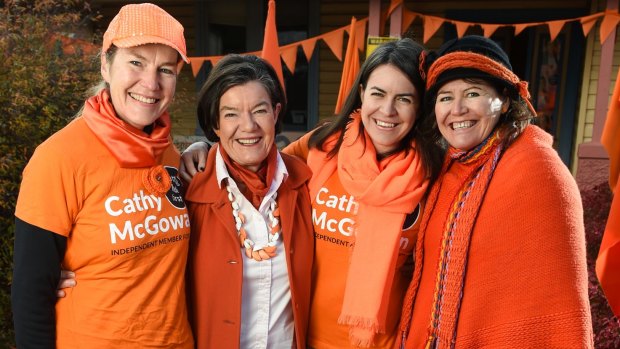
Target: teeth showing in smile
x=143, y=99
x=248, y=141
x=385, y=124
x=462, y=124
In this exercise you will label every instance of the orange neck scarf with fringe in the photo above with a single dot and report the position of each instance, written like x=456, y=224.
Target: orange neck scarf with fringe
x=131, y=147
x=453, y=255
x=386, y=191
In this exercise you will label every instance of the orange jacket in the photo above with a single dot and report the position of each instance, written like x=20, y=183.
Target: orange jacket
x=215, y=261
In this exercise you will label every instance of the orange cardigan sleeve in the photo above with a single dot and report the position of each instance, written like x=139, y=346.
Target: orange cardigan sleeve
x=299, y=147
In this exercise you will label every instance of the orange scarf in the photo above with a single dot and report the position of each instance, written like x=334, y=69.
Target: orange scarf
x=453, y=257
x=253, y=185
x=386, y=192
x=132, y=148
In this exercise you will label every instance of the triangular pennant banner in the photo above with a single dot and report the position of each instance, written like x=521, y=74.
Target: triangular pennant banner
x=610, y=21
x=489, y=29
x=333, y=40
x=408, y=18
x=588, y=22
x=215, y=59
x=196, y=63
x=519, y=28
x=461, y=28
x=308, y=46
x=554, y=28
x=289, y=56
x=431, y=24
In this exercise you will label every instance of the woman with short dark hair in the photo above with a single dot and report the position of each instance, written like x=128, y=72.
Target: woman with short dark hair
x=252, y=245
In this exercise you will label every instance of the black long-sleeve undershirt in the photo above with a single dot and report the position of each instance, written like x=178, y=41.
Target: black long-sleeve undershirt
x=37, y=256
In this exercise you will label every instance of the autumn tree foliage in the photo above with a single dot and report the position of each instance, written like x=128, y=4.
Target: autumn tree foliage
x=46, y=65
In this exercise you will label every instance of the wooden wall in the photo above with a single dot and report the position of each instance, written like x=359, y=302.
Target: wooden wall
x=337, y=13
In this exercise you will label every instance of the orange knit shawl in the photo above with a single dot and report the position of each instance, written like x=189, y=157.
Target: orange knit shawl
x=455, y=242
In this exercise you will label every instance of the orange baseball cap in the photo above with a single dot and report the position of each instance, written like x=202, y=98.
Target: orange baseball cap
x=140, y=24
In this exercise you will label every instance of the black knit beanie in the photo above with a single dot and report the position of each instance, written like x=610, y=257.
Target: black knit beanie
x=473, y=43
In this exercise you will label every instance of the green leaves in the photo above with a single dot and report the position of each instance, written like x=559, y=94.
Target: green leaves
x=42, y=86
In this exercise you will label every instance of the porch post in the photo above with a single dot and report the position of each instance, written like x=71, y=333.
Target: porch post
x=396, y=21
x=592, y=167
x=374, y=17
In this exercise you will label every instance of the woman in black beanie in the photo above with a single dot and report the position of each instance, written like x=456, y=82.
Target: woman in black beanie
x=500, y=258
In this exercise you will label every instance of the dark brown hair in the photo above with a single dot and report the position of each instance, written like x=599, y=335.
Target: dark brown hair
x=404, y=55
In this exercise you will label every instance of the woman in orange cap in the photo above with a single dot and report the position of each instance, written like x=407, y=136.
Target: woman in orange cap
x=101, y=197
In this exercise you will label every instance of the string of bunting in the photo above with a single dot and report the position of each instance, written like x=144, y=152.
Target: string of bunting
x=334, y=38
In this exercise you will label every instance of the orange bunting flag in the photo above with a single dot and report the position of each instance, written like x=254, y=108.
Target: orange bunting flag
x=271, y=48
x=608, y=261
x=308, y=46
x=489, y=29
x=431, y=24
x=555, y=27
x=588, y=22
x=461, y=28
x=196, y=63
x=289, y=56
x=408, y=18
x=333, y=39
x=519, y=28
x=609, y=23
x=349, y=69
x=215, y=60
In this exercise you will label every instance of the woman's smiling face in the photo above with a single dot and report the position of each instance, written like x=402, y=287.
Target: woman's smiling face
x=467, y=111
x=142, y=82
x=247, y=122
x=390, y=103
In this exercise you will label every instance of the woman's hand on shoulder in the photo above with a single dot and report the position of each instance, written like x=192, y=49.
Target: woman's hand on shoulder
x=193, y=160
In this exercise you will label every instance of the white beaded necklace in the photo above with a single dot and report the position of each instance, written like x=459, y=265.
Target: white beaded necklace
x=269, y=250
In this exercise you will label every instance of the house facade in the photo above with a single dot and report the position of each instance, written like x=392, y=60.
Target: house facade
x=571, y=77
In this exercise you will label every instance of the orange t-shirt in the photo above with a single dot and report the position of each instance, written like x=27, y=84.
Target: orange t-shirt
x=333, y=216
x=127, y=246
